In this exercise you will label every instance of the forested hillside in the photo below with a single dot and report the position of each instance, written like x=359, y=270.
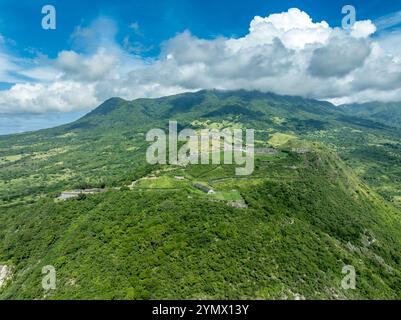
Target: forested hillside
x=327, y=197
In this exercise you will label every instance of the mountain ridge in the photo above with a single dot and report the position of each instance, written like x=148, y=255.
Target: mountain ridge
x=387, y=113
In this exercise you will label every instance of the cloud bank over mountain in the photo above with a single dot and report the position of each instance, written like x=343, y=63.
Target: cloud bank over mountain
x=285, y=53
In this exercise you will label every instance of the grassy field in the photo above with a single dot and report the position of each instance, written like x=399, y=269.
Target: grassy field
x=232, y=195
x=280, y=139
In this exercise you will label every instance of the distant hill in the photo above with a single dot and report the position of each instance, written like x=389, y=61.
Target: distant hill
x=243, y=106
x=386, y=113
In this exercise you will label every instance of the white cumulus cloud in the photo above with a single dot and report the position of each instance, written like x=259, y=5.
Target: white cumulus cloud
x=285, y=53
x=363, y=29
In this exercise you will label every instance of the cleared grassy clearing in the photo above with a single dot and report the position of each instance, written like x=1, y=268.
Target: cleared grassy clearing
x=279, y=139
x=10, y=159
x=162, y=182
x=232, y=195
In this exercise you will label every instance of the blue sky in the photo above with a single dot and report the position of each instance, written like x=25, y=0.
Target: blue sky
x=136, y=42
x=160, y=20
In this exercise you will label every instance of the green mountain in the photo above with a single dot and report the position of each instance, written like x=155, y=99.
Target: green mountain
x=327, y=197
x=386, y=113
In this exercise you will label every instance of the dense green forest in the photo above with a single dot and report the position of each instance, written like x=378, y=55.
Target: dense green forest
x=284, y=232
x=387, y=113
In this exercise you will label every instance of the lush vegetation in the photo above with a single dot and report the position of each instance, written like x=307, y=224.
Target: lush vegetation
x=285, y=232
x=385, y=113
